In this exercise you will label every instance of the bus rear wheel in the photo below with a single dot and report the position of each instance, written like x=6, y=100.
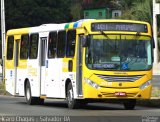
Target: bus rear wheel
x=29, y=99
x=129, y=104
x=71, y=102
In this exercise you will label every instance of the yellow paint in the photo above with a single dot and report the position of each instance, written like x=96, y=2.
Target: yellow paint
x=71, y=25
x=43, y=97
x=108, y=89
x=17, y=36
x=9, y=64
x=22, y=64
x=126, y=37
x=109, y=93
x=32, y=71
x=18, y=31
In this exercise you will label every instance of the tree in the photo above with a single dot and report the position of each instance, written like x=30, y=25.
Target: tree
x=76, y=10
x=137, y=10
x=27, y=13
x=142, y=11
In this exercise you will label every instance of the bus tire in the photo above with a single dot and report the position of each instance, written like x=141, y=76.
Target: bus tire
x=29, y=99
x=130, y=104
x=40, y=101
x=71, y=102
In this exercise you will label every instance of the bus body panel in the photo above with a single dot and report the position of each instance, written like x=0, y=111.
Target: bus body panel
x=108, y=89
x=54, y=78
x=33, y=76
x=50, y=77
x=13, y=79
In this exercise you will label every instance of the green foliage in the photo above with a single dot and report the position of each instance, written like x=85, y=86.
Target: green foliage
x=137, y=10
x=27, y=13
x=76, y=11
x=158, y=21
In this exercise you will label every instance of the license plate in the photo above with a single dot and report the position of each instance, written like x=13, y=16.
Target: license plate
x=120, y=94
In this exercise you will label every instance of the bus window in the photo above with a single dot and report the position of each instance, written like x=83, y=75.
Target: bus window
x=71, y=38
x=61, y=44
x=10, y=45
x=33, y=46
x=52, y=43
x=24, y=47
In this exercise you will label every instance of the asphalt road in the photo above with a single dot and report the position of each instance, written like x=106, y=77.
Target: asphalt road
x=16, y=106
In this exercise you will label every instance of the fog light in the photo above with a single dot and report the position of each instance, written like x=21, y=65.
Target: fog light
x=99, y=95
x=93, y=84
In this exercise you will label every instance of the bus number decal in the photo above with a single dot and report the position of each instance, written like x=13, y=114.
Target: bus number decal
x=106, y=83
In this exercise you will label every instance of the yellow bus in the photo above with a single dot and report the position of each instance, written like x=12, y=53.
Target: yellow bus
x=85, y=61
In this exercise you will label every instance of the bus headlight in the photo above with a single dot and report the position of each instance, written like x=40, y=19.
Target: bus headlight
x=146, y=84
x=88, y=81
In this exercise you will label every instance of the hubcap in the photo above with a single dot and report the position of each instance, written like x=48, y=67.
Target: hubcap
x=28, y=94
x=70, y=96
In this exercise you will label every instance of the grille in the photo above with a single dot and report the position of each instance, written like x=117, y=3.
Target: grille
x=110, y=78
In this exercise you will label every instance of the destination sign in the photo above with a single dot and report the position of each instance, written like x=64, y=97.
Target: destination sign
x=120, y=26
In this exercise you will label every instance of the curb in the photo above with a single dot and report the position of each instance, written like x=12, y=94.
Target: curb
x=149, y=103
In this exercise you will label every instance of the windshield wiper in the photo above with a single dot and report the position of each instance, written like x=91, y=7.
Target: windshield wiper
x=138, y=34
x=103, y=33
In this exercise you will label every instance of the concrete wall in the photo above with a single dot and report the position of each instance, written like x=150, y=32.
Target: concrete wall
x=116, y=13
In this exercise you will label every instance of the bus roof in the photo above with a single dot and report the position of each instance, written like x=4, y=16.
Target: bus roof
x=18, y=31
x=71, y=25
x=83, y=22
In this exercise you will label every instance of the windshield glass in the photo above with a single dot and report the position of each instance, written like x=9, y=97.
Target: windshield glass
x=119, y=52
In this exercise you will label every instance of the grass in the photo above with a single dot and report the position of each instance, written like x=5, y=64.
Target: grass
x=154, y=101
x=2, y=89
x=149, y=103
x=156, y=92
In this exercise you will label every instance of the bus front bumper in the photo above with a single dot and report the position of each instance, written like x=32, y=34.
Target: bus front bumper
x=117, y=93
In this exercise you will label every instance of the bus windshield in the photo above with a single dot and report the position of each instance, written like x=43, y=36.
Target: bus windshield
x=119, y=52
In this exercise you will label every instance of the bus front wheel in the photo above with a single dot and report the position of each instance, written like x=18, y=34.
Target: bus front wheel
x=72, y=103
x=130, y=104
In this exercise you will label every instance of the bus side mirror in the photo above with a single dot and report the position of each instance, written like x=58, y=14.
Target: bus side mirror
x=153, y=43
x=153, y=46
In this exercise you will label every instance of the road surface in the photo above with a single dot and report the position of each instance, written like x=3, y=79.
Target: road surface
x=96, y=112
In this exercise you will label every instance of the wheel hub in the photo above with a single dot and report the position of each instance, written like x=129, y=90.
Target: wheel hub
x=70, y=96
x=28, y=94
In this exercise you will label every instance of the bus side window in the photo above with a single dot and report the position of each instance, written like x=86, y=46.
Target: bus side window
x=61, y=44
x=52, y=43
x=71, y=39
x=10, y=46
x=33, y=46
x=24, y=46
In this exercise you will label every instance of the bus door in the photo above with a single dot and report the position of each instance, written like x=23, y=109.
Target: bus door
x=16, y=55
x=42, y=59
x=79, y=66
